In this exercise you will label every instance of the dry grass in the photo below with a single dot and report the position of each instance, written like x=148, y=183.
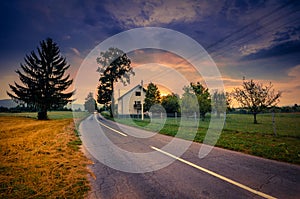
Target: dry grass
x=38, y=159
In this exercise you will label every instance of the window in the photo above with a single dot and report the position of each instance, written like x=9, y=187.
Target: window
x=137, y=93
x=137, y=105
x=137, y=102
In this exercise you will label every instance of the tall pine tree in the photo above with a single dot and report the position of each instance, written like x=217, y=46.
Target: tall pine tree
x=44, y=80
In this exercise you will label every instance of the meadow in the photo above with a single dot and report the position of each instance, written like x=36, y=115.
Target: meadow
x=240, y=134
x=41, y=159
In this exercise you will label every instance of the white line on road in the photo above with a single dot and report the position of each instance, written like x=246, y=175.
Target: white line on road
x=198, y=167
x=215, y=174
x=119, y=132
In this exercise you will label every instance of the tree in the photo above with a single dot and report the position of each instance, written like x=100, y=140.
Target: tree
x=229, y=101
x=256, y=97
x=43, y=79
x=105, y=92
x=219, y=102
x=203, y=98
x=189, y=102
x=170, y=103
x=90, y=103
x=115, y=66
x=152, y=96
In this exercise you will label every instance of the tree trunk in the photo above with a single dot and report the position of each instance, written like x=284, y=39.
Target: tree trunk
x=202, y=115
x=42, y=114
x=254, y=115
x=112, y=106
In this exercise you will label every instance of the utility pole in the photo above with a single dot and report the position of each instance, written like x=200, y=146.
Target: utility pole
x=142, y=104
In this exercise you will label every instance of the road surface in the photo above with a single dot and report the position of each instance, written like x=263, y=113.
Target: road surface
x=221, y=174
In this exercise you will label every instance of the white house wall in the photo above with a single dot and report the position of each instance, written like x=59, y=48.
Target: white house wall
x=126, y=102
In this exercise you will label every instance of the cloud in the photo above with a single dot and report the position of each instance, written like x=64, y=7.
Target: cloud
x=282, y=42
x=168, y=59
x=294, y=72
x=288, y=34
x=281, y=49
x=66, y=37
x=160, y=12
x=290, y=86
x=76, y=51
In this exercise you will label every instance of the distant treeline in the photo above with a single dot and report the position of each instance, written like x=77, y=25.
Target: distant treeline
x=282, y=109
x=20, y=109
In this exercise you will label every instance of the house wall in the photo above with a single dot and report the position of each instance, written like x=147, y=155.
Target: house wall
x=126, y=103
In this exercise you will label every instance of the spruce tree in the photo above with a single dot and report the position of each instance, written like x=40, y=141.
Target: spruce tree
x=44, y=80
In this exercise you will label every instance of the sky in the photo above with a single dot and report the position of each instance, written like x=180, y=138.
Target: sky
x=255, y=39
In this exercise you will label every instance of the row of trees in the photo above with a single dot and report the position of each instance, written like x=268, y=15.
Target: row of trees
x=196, y=98
x=115, y=66
x=252, y=96
x=44, y=85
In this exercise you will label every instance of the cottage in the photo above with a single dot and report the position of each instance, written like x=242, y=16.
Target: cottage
x=131, y=102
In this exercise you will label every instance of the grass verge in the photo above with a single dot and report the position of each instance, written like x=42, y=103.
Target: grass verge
x=40, y=159
x=240, y=134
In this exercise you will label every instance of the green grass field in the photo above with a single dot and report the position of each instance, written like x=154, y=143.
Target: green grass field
x=51, y=114
x=240, y=134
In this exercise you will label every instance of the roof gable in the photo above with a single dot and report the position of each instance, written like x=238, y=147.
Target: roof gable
x=131, y=90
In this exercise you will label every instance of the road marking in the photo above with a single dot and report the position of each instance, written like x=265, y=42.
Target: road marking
x=215, y=174
x=119, y=132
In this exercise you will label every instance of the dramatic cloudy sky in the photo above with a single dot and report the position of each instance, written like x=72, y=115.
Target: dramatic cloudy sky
x=255, y=39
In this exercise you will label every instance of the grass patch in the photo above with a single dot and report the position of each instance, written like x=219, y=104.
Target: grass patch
x=38, y=159
x=239, y=133
x=51, y=114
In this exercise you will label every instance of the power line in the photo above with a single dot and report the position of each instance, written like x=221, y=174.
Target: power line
x=226, y=39
x=240, y=41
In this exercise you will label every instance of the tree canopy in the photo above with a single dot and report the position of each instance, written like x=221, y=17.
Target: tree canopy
x=256, y=97
x=90, y=103
x=189, y=102
x=152, y=96
x=43, y=79
x=203, y=98
x=219, y=102
x=171, y=103
x=115, y=66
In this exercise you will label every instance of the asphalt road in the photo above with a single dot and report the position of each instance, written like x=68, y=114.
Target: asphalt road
x=132, y=163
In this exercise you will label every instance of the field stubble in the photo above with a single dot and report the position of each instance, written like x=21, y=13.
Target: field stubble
x=40, y=159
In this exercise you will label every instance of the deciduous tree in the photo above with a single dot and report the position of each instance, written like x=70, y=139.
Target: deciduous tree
x=152, y=96
x=115, y=66
x=90, y=103
x=189, y=102
x=203, y=97
x=256, y=97
x=170, y=103
x=219, y=102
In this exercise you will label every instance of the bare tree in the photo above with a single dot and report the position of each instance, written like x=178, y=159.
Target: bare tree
x=256, y=97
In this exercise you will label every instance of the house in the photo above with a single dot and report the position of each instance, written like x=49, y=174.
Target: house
x=131, y=102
